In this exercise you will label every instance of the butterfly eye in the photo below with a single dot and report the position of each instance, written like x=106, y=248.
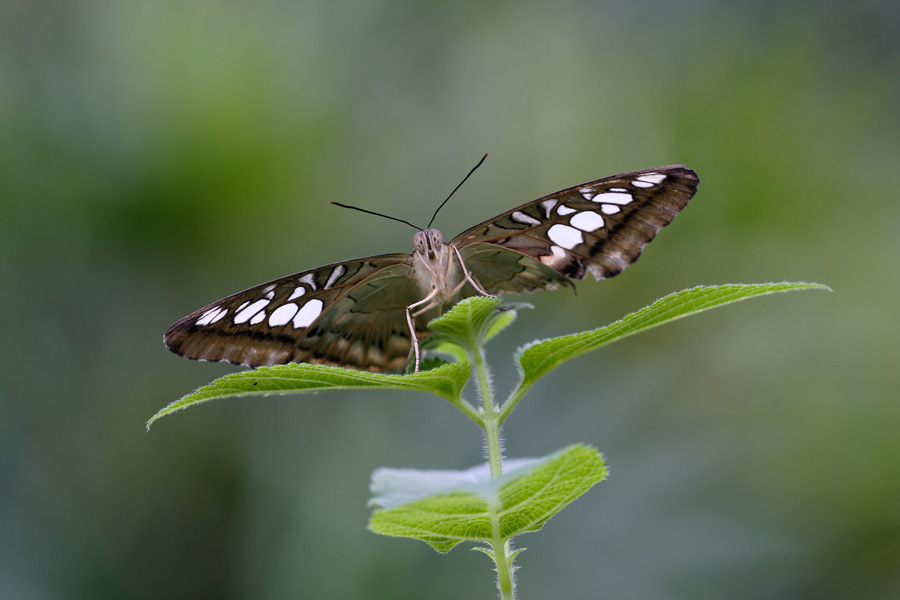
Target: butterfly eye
x=419, y=242
x=437, y=240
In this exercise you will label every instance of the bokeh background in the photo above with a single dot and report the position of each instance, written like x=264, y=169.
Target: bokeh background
x=157, y=156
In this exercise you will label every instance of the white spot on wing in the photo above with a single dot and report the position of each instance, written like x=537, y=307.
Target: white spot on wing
x=283, y=314
x=556, y=259
x=309, y=313
x=614, y=198
x=208, y=315
x=308, y=280
x=251, y=310
x=565, y=210
x=523, y=218
x=298, y=291
x=618, y=190
x=609, y=209
x=338, y=271
x=258, y=317
x=587, y=221
x=586, y=192
x=269, y=291
x=211, y=316
x=548, y=206
x=648, y=180
x=565, y=236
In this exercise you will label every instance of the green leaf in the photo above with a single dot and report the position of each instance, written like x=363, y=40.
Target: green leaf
x=506, y=314
x=436, y=345
x=445, y=508
x=470, y=323
x=446, y=381
x=512, y=555
x=539, y=358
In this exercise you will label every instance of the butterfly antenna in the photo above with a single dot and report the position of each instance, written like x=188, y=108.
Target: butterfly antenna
x=456, y=188
x=377, y=214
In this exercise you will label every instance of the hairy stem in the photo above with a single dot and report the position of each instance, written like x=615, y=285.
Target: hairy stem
x=490, y=421
x=512, y=401
x=504, y=569
x=491, y=425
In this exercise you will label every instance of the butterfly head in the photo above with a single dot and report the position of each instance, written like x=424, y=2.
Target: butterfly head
x=428, y=242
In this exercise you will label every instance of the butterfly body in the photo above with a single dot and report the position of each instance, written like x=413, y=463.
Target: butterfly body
x=434, y=265
x=367, y=313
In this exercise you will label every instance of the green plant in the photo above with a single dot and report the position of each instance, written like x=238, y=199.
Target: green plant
x=492, y=503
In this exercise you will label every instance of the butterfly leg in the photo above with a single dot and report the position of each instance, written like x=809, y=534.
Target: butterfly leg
x=468, y=277
x=427, y=301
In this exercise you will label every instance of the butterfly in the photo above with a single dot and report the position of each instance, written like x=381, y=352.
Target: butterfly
x=370, y=313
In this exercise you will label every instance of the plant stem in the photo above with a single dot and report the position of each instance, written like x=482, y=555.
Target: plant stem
x=504, y=570
x=491, y=425
x=512, y=401
x=495, y=453
x=484, y=381
x=490, y=422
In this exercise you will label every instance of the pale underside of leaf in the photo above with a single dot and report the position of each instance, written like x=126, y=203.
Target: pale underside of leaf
x=518, y=502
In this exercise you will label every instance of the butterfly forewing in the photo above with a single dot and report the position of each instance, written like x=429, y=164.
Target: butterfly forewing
x=599, y=228
x=349, y=313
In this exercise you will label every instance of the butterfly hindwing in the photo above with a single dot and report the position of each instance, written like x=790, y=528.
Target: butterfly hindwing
x=501, y=270
x=599, y=227
x=366, y=328
x=336, y=314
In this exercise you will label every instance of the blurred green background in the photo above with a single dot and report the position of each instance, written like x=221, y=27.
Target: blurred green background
x=157, y=156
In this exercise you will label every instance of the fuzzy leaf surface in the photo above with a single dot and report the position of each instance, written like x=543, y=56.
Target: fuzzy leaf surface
x=539, y=358
x=446, y=381
x=473, y=321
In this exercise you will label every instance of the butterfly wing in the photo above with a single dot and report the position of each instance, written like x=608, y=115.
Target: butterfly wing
x=350, y=313
x=599, y=228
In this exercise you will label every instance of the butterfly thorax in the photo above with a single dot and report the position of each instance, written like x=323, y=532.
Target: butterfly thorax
x=435, y=266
